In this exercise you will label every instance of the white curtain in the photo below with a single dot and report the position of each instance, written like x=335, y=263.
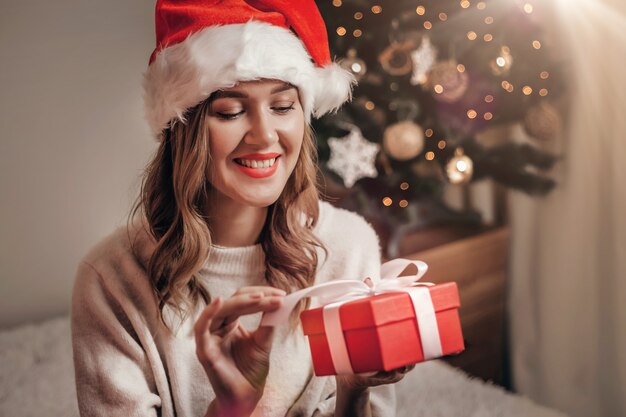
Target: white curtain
x=567, y=291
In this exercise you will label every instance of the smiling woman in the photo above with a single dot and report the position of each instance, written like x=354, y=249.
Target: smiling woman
x=166, y=312
x=255, y=131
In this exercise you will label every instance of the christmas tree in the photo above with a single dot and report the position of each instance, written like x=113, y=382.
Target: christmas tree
x=432, y=75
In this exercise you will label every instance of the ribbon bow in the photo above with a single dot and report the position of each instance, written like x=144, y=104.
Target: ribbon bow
x=347, y=290
x=336, y=293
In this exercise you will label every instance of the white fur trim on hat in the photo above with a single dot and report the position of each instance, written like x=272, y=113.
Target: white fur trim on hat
x=185, y=74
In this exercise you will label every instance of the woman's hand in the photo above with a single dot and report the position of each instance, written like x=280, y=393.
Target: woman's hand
x=361, y=382
x=236, y=360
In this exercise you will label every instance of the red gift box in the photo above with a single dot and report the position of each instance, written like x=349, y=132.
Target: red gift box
x=381, y=332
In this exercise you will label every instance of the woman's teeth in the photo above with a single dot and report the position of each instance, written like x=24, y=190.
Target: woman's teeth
x=266, y=163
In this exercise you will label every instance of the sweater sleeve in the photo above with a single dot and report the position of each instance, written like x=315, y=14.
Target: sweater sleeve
x=113, y=376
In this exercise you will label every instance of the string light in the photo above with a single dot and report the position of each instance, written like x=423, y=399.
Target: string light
x=536, y=44
x=441, y=144
x=471, y=113
x=403, y=203
x=358, y=15
x=341, y=31
x=507, y=86
x=438, y=88
x=460, y=68
x=369, y=105
x=394, y=86
x=428, y=133
x=528, y=8
x=488, y=116
x=377, y=9
x=404, y=186
x=471, y=35
x=357, y=33
x=420, y=10
x=527, y=90
x=488, y=37
x=465, y=4
x=428, y=25
x=543, y=92
x=337, y=3
x=488, y=98
x=443, y=17
x=387, y=201
x=488, y=20
x=430, y=155
x=544, y=75
x=481, y=5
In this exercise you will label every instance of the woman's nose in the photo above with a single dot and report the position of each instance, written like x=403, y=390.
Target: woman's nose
x=262, y=131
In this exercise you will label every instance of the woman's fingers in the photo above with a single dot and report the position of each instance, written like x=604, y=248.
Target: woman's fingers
x=263, y=337
x=242, y=304
x=394, y=375
x=204, y=349
x=204, y=320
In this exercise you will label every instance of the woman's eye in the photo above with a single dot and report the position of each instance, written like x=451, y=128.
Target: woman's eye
x=228, y=116
x=283, y=109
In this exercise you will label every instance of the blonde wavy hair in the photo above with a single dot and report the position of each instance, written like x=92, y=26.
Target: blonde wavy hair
x=173, y=199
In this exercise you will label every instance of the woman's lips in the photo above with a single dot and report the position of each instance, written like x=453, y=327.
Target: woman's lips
x=258, y=172
x=259, y=156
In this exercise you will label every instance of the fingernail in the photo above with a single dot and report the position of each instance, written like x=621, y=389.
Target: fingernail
x=256, y=296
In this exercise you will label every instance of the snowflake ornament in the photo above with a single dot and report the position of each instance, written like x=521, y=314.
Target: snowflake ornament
x=353, y=157
x=423, y=59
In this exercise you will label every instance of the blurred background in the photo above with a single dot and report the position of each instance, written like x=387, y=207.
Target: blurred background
x=485, y=137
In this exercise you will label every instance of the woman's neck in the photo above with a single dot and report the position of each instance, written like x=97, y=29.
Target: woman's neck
x=235, y=225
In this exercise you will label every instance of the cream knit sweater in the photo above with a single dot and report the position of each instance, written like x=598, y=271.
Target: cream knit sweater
x=128, y=364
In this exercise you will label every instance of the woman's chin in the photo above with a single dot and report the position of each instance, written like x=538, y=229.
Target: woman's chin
x=260, y=201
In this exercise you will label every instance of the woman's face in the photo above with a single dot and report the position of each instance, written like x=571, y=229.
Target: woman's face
x=255, y=135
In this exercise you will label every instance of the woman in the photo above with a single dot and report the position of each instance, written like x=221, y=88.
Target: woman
x=166, y=311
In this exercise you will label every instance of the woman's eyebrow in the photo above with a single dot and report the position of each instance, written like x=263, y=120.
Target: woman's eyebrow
x=226, y=94
x=283, y=87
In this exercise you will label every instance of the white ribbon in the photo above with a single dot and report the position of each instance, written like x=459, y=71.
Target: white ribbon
x=333, y=294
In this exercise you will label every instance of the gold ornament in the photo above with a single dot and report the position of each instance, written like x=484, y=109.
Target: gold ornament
x=459, y=168
x=404, y=140
x=501, y=65
x=543, y=121
x=396, y=58
x=354, y=64
x=446, y=82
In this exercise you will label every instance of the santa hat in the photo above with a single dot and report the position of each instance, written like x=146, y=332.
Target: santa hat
x=204, y=46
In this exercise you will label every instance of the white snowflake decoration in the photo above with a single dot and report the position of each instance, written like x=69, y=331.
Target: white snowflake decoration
x=423, y=59
x=353, y=157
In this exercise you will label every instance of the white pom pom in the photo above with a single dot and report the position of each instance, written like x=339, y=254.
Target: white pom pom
x=334, y=87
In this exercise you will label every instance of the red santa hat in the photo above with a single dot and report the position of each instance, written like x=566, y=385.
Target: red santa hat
x=203, y=46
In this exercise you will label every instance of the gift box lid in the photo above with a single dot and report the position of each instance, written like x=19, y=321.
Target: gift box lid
x=381, y=309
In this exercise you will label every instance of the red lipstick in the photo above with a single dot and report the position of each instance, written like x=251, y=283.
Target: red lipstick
x=258, y=172
x=259, y=156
